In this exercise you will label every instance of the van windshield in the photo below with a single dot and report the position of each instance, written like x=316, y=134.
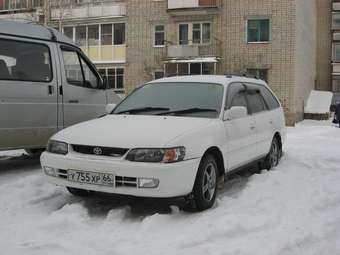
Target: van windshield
x=179, y=98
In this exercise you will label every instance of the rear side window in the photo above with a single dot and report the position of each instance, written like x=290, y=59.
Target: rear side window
x=24, y=61
x=269, y=98
x=236, y=96
x=255, y=101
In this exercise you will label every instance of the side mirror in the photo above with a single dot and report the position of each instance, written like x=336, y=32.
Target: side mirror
x=109, y=108
x=235, y=112
x=103, y=83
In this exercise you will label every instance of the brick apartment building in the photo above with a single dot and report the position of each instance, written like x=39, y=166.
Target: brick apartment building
x=286, y=42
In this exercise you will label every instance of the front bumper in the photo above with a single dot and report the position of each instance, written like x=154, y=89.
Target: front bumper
x=175, y=179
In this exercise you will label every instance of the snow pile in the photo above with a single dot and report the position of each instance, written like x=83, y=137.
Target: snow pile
x=294, y=209
x=319, y=102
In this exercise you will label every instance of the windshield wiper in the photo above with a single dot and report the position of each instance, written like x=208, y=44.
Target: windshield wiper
x=144, y=109
x=189, y=110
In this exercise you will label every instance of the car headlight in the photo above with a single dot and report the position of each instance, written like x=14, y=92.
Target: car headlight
x=57, y=147
x=157, y=155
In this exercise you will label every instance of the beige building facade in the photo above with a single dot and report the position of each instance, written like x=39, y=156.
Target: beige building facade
x=293, y=56
x=286, y=42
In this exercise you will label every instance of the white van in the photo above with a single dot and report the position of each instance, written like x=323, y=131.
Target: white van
x=46, y=84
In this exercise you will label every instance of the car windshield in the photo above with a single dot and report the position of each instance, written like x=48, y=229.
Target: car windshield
x=179, y=98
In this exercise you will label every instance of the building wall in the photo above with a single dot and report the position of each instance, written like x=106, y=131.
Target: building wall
x=324, y=47
x=305, y=50
x=277, y=55
x=142, y=57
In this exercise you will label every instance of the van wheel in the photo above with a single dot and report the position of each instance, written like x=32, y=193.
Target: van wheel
x=35, y=152
x=205, y=187
x=79, y=192
x=274, y=155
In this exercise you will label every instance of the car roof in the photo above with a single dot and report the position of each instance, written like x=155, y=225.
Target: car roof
x=33, y=31
x=217, y=79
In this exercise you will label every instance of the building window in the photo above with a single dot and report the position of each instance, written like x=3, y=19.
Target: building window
x=336, y=53
x=115, y=78
x=80, y=38
x=194, y=33
x=158, y=75
x=259, y=73
x=159, y=35
x=119, y=34
x=258, y=30
x=109, y=34
x=93, y=35
x=68, y=31
x=106, y=34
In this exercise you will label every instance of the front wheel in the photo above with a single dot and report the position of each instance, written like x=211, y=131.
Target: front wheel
x=35, y=152
x=274, y=155
x=205, y=187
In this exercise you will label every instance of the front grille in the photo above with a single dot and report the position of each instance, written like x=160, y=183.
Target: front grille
x=122, y=181
x=99, y=150
x=62, y=173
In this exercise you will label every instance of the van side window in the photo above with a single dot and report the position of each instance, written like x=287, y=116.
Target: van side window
x=77, y=71
x=236, y=96
x=24, y=61
x=256, y=101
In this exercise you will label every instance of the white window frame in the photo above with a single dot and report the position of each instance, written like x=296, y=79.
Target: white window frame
x=99, y=31
x=259, y=18
x=190, y=32
x=154, y=36
x=120, y=90
x=157, y=71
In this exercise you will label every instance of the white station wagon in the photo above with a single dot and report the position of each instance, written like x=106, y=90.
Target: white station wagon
x=171, y=137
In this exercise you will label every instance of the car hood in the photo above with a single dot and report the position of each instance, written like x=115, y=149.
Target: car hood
x=130, y=131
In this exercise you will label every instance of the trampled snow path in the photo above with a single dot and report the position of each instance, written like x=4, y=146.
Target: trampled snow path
x=294, y=209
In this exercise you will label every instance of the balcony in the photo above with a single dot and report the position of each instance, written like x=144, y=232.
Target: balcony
x=106, y=53
x=8, y=6
x=212, y=49
x=192, y=7
x=336, y=5
x=89, y=10
x=183, y=51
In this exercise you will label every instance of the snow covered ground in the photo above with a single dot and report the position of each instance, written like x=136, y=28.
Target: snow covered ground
x=294, y=209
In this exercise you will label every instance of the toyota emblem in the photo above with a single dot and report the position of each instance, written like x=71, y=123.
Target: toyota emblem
x=97, y=151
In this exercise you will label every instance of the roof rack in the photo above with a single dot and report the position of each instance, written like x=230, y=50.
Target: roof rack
x=242, y=75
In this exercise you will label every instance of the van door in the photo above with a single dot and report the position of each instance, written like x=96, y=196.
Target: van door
x=241, y=133
x=83, y=99
x=28, y=93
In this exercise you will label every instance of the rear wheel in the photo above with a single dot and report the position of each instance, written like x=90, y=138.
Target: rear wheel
x=274, y=155
x=205, y=188
x=79, y=192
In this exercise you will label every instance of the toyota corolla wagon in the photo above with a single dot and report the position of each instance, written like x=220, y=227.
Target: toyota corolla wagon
x=171, y=137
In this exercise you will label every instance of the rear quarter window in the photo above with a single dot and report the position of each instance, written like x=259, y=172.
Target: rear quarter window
x=270, y=99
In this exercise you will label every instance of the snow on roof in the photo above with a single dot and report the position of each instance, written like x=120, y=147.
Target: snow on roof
x=218, y=79
x=319, y=102
x=31, y=30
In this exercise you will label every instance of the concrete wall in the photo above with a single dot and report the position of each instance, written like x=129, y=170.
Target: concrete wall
x=305, y=53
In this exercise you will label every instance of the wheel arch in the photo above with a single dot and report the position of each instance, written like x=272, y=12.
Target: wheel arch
x=217, y=154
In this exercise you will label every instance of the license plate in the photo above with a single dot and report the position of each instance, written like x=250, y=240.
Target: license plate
x=90, y=178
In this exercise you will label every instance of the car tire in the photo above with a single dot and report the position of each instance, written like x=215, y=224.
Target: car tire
x=35, y=152
x=205, y=187
x=79, y=192
x=274, y=155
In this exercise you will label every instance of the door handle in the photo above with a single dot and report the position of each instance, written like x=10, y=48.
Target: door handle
x=252, y=127
x=73, y=101
x=50, y=90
